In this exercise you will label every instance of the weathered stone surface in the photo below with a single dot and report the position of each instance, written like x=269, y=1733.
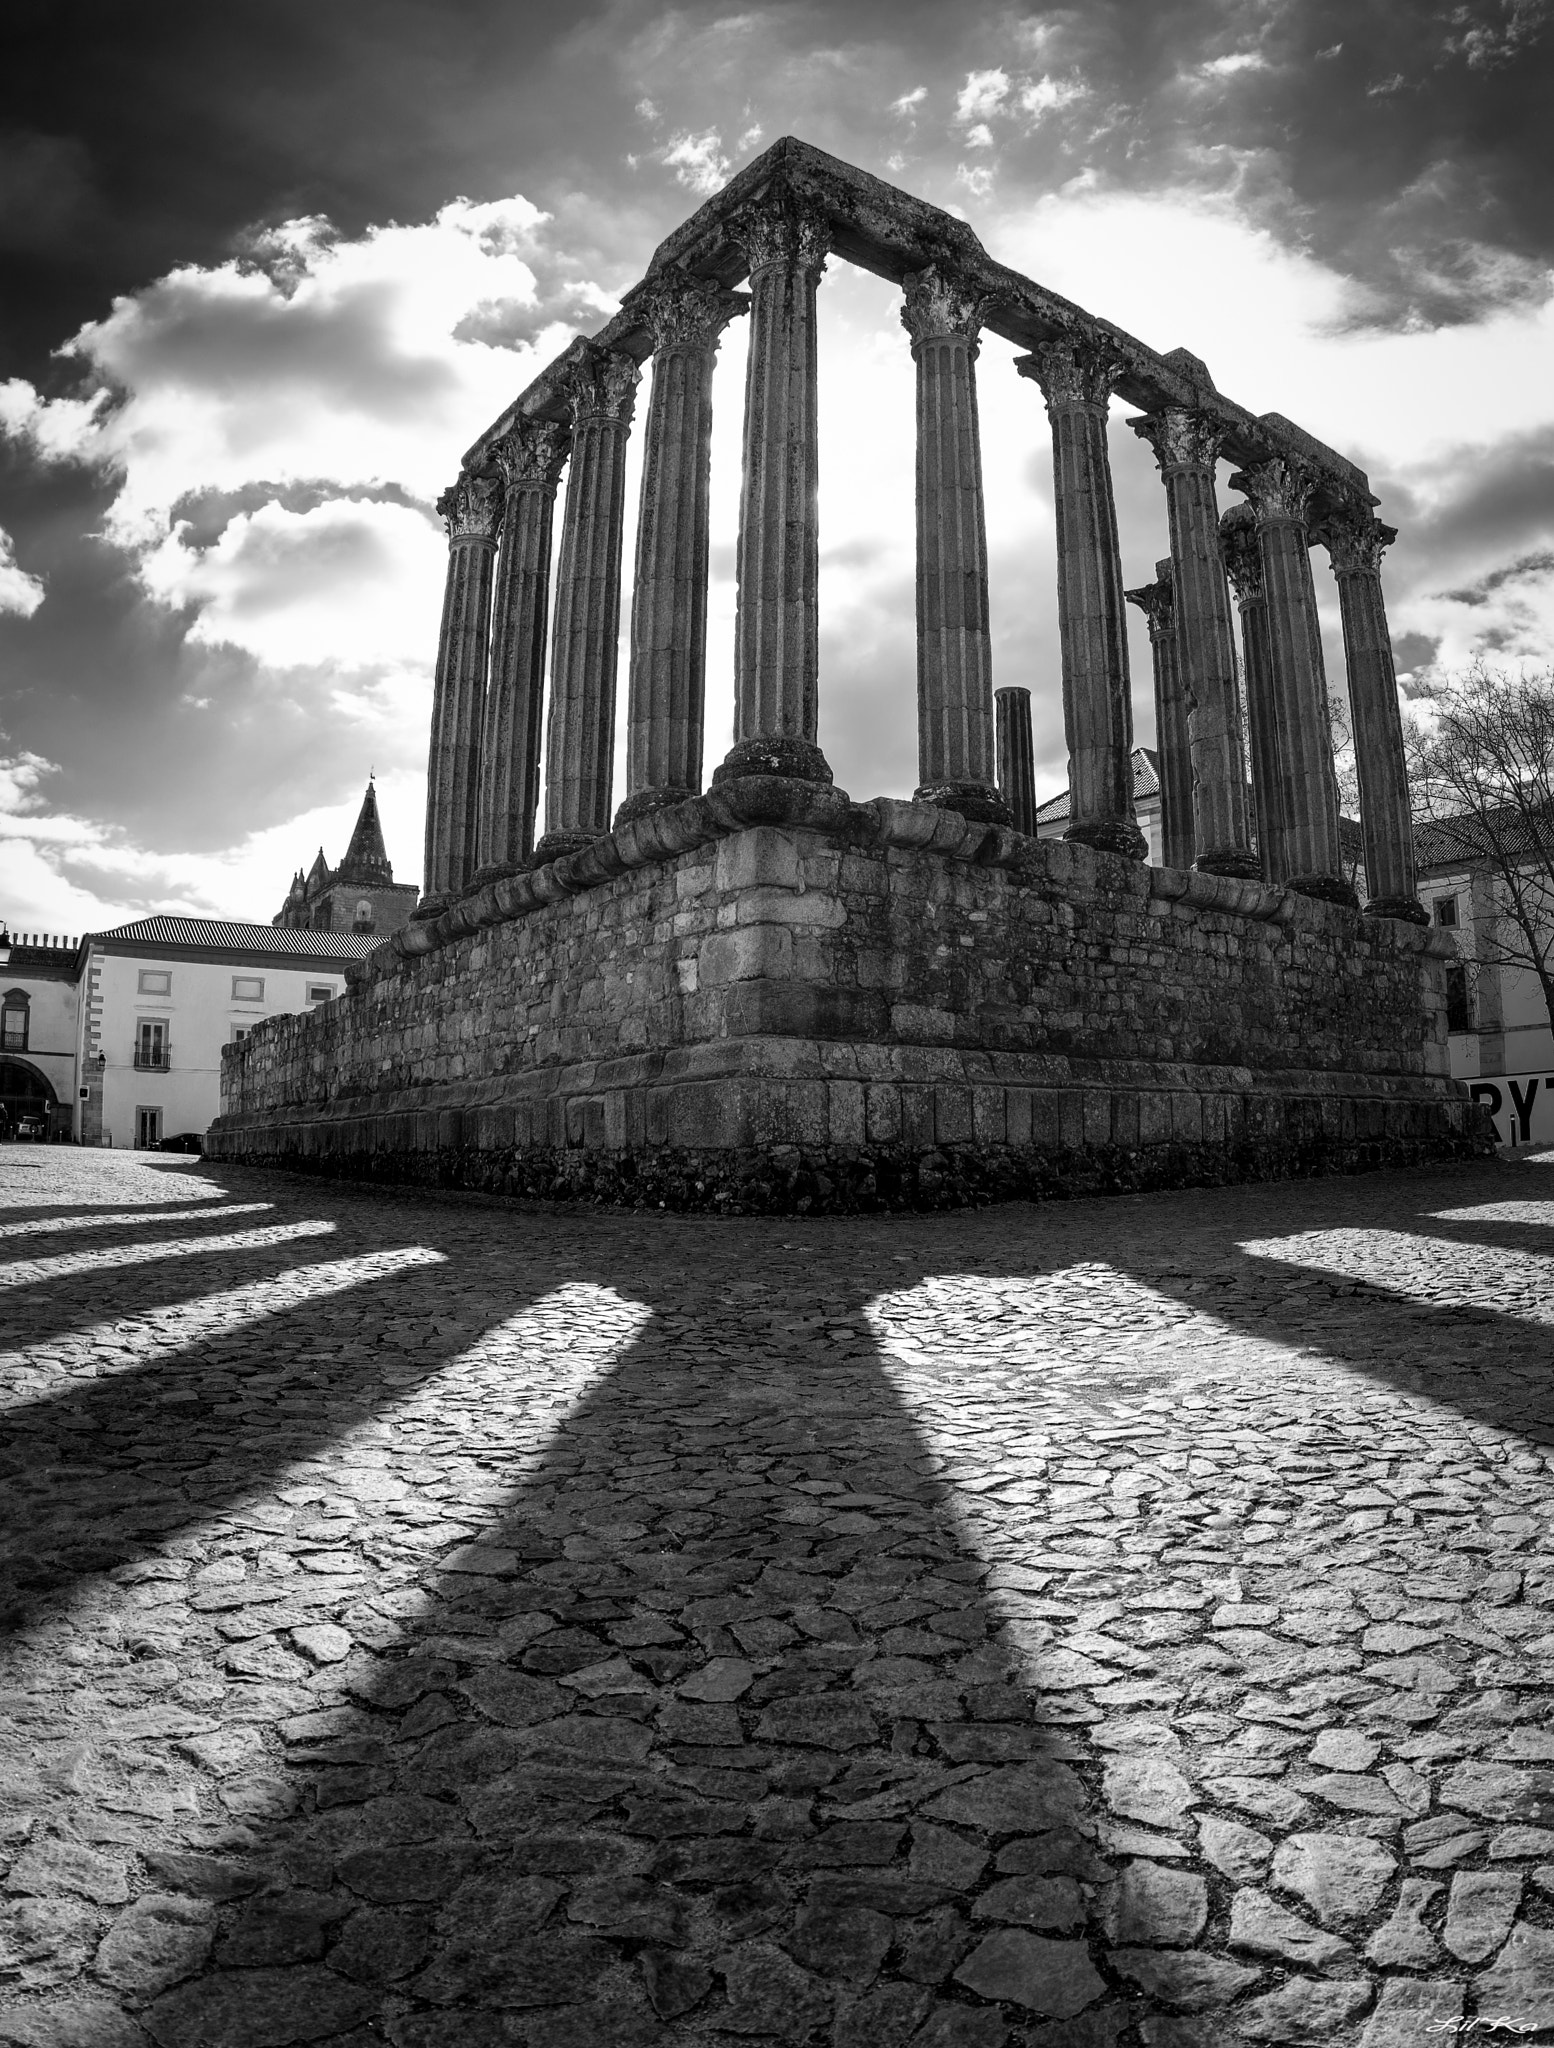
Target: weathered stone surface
x=1303, y=2011
x=1054, y=1978
x=1521, y=1982
x=1239, y=1852
x=1409, y=2009
x=1259, y=1927
x=155, y=1942
x=1156, y=1905
x=1340, y=1877
x=1403, y=1941
x=258, y=2009
x=1196, y=1982
x=1479, y=1912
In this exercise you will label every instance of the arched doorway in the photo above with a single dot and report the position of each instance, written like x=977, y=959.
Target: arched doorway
x=24, y=1092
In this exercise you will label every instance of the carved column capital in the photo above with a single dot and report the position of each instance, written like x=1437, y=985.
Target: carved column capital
x=1240, y=553
x=1181, y=438
x=1280, y=489
x=471, y=508
x=1072, y=373
x=1157, y=600
x=601, y=385
x=782, y=226
x=1354, y=537
x=939, y=305
x=531, y=453
x=689, y=312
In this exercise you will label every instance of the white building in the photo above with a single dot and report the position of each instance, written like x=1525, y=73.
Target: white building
x=38, y=1033
x=159, y=998
x=1052, y=816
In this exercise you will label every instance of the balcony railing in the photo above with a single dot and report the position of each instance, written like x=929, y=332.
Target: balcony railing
x=153, y=1059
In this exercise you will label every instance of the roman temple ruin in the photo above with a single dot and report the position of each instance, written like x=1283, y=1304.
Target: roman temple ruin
x=763, y=994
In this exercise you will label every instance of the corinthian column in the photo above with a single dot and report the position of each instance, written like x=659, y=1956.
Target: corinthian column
x=1186, y=446
x=669, y=598
x=1280, y=493
x=1244, y=566
x=1355, y=539
x=1157, y=602
x=529, y=457
x=580, y=744
x=1076, y=379
x=1016, y=757
x=472, y=512
x=777, y=629
x=956, y=760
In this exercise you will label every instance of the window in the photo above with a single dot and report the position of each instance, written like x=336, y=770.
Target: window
x=248, y=988
x=320, y=992
x=364, y=912
x=85, y=1094
x=1445, y=908
x=151, y=1045
x=1459, y=1007
x=156, y=981
x=13, y=1020
x=240, y=1032
x=148, y=1129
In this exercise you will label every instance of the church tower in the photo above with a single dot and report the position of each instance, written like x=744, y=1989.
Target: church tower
x=360, y=895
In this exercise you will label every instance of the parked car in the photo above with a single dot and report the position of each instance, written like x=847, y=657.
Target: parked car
x=32, y=1127
x=186, y=1141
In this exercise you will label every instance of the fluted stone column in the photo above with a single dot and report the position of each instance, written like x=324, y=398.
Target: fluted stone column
x=1355, y=540
x=1280, y=492
x=956, y=758
x=1186, y=445
x=1076, y=380
x=665, y=713
x=529, y=457
x=1173, y=745
x=777, y=627
x=1244, y=566
x=472, y=512
x=1016, y=757
x=580, y=742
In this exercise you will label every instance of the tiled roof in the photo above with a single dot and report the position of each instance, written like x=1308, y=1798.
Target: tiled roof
x=1146, y=783
x=213, y=933
x=1459, y=842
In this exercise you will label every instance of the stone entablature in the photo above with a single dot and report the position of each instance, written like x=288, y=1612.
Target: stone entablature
x=771, y=984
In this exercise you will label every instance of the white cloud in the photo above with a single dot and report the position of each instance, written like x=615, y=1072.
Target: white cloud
x=909, y=100
x=979, y=137
x=698, y=161
x=983, y=93
x=1047, y=95
x=1229, y=66
x=19, y=590
x=274, y=580
x=977, y=179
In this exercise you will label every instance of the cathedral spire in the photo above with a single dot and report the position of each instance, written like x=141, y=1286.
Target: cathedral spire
x=366, y=862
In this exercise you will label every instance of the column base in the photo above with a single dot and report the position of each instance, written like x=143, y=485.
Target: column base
x=1326, y=889
x=1238, y=862
x=557, y=845
x=496, y=871
x=774, y=753
x=430, y=907
x=1407, y=909
x=974, y=800
x=1111, y=835
x=642, y=801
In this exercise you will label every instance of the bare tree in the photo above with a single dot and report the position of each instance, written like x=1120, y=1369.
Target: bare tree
x=1347, y=777
x=1481, y=772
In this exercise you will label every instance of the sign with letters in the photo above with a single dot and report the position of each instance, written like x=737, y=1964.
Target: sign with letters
x=1522, y=1106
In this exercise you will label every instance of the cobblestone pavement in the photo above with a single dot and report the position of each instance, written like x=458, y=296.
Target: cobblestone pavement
x=1113, y=1625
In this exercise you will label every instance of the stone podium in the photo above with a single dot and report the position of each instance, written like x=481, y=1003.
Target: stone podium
x=763, y=995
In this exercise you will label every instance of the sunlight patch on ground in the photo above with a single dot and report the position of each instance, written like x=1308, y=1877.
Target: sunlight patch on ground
x=125, y=1219
x=29, y=1272
x=122, y=1343
x=1433, y=1271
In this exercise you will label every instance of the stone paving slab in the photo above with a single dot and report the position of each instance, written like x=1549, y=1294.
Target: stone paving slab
x=1109, y=1625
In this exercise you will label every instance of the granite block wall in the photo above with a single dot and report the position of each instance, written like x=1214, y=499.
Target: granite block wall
x=885, y=1005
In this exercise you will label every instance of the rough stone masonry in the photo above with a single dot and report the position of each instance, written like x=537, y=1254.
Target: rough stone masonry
x=769, y=996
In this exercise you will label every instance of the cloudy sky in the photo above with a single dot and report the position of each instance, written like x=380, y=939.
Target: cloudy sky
x=268, y=268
